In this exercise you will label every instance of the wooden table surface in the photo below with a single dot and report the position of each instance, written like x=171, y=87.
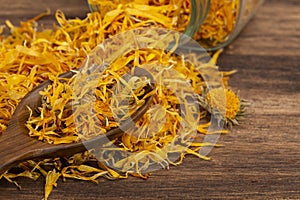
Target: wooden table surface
x=261, y=157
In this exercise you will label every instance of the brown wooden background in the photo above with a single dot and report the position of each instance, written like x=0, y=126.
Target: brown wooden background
x=261, y=158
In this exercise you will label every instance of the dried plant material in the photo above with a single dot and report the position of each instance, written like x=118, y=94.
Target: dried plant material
x=83, y=172
x=29, y=56
x=28, y=174
x=157, y=133
x=219, y=23
x=55, y=122
x=120, y=15
x=231, y=107
x=51, y=180
x=216, y=28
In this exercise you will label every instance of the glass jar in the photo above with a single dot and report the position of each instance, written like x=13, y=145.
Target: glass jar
x=212, y=23
x=224, y=22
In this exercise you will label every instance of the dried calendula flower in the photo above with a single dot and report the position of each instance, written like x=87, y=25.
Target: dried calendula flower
x=231, y=106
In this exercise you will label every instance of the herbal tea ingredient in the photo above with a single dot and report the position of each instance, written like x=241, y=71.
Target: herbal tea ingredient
x=131, y=13
x=29, y=56
x=216, y=28
x=55, y=121
x=219, y=23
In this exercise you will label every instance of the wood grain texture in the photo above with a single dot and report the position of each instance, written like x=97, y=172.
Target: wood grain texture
x=261, y=157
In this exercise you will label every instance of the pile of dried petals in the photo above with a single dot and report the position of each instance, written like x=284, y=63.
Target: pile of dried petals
x=29, y=56
x=131, y=13
x=218, y=25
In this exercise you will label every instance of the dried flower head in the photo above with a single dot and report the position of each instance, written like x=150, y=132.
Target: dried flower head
x=225, y=101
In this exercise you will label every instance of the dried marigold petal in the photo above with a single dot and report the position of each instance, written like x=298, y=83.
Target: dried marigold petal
x=51, y=180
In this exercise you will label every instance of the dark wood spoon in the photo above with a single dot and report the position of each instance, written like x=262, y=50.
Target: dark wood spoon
x=16, y=145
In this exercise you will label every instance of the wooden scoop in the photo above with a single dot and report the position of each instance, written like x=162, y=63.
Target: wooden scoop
x=17, y=146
